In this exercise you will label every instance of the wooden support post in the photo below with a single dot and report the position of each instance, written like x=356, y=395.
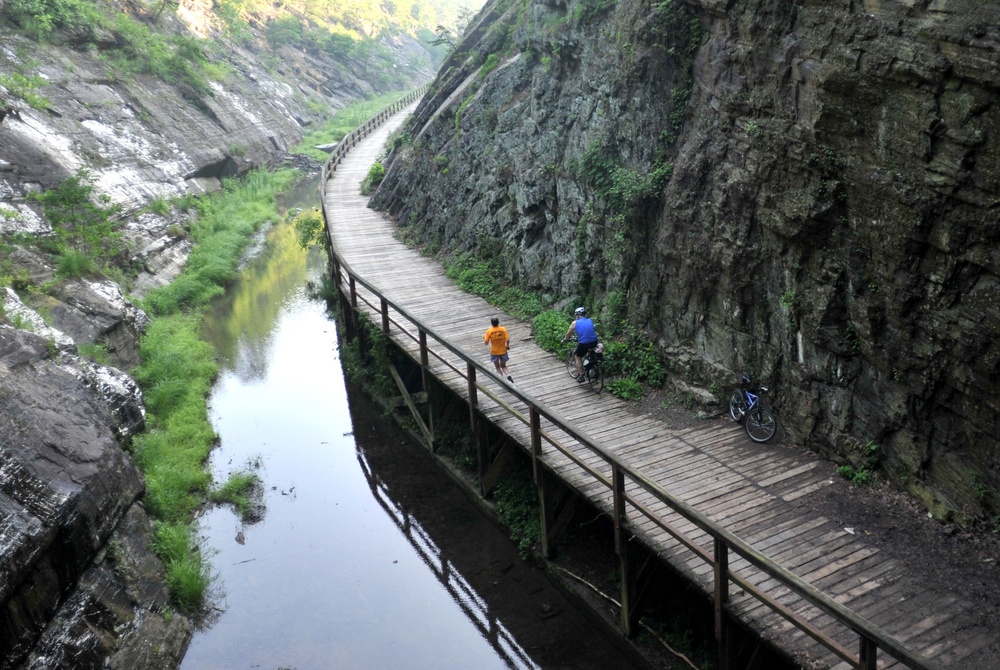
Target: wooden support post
x=424, y=361
x=536, y=444
x=408, y=400
x=721, y=598
x=425, y=385
x=345, y=309
x=385, y=316
x=354, y=292
x=546, y=513
x=868, y=654
x=473, y=396
x=626, y=578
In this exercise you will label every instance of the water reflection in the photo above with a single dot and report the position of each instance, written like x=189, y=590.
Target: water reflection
x=241, y=325
x=326, y=579
x=367, y=556
x=474, y=606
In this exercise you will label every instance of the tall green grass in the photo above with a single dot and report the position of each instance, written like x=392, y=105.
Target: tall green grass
x=224, y=225
x=178, y=368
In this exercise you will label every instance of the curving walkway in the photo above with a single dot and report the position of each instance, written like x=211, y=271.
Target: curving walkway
x=764, y=494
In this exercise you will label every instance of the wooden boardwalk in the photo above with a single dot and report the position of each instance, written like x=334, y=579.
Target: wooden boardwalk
x=757, y=492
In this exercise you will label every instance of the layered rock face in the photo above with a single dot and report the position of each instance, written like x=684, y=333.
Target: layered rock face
x=65, y=487
x=805, y=190
x=79, y=585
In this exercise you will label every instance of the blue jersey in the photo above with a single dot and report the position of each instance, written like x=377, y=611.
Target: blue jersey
x=585, y=333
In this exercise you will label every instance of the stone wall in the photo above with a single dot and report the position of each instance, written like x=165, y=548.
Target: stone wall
x=803, y=190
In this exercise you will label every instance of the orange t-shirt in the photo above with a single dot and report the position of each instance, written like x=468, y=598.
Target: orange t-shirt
x=498, y=338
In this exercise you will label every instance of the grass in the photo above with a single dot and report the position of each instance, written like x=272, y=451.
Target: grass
x=238, y=491
x=221, y=232
x=177, y=372
x=187, y=575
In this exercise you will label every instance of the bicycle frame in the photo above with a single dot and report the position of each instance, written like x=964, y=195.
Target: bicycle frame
x=751, y=400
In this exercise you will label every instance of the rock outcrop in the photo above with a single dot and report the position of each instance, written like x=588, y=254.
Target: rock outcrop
x=805, y=190
x=79, y=585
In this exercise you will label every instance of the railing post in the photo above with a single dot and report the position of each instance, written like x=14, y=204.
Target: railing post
x=536, y=443
x=385, y=315
x=721, y=598
x=546, y=492
x=424, y=361
x=627, y=580
x=868, y=653
x=473, y=397
x=425, y=385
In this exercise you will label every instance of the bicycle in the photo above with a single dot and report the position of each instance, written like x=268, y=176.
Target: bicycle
x=591, y=366
x=746, y=408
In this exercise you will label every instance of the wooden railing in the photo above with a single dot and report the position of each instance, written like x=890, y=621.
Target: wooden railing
x=628, y=509
x=353, y=137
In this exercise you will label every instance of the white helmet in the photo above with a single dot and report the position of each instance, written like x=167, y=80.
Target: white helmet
x=580, y=311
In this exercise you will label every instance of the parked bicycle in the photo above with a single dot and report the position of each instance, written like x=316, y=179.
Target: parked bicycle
x=591, y=366
x=745, y=407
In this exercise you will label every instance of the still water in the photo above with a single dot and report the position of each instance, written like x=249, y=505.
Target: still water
x=367, y=555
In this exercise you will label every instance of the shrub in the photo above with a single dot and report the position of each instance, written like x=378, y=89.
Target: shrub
x=549, y=328
x=72, y=264
x=481, y=278
x=857, y=476
x=82, y=227
x=635, y=357
x=95, y=352
x=159, y=206
x=626, y=389
x=309, y=227
x=374, y=177
x=517, y=508
x=24, y=87
x=40, y=17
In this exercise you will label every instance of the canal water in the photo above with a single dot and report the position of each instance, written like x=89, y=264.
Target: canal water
x=367, y=554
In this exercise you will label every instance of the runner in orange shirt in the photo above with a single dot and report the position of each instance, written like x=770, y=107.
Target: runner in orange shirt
x=499, y=342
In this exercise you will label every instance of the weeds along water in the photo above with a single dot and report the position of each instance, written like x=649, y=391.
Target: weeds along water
x=178, y=367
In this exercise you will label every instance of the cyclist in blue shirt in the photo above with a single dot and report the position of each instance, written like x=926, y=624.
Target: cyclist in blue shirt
x=586, y=337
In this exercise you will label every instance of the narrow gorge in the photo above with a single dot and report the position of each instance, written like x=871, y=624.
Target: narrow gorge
x=804, y=191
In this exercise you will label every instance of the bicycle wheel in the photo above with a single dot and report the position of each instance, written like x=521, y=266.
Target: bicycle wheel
x=571, y=364
x=737, y=406
x=596, y=378
x=760, y=424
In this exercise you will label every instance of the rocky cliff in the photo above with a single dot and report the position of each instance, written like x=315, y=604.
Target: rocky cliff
x=79, y=585
x=804, y=190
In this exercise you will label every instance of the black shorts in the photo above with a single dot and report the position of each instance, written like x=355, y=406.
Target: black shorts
x=584, y=347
